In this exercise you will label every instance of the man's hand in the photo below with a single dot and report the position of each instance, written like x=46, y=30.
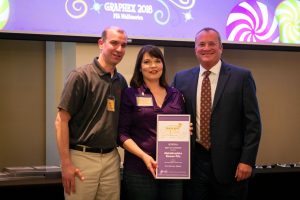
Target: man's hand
x=243, y=171
x=69, y=173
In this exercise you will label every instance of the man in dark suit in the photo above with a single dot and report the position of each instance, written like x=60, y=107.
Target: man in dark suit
x=221, y=165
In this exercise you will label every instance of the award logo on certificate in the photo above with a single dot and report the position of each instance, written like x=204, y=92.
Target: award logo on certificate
x=173, y=147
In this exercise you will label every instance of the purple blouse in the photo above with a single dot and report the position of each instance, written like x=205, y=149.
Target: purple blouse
x=139, y=122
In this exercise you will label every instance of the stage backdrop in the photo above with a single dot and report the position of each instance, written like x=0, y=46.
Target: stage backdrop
x=239, y=21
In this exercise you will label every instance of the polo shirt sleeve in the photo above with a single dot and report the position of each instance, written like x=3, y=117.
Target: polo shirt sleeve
x=73, y=93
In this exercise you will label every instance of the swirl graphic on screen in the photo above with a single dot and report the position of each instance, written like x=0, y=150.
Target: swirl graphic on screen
x=288, y=16
x=159, y=14
x=80, y=8
x=183, y=4
x=4, y=13
x=252, y=21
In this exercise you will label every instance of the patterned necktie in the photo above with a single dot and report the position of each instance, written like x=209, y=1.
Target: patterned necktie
x=205, y=111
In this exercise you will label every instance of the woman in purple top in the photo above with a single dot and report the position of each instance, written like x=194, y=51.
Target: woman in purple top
x=148, y=96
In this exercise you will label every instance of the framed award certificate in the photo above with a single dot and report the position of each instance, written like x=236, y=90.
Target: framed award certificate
x=173, y=147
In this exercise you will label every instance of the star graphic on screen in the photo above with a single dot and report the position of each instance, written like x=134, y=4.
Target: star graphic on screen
x=188, y=16
x=96, y=7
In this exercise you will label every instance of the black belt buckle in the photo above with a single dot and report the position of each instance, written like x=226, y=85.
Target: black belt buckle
x=91, y=149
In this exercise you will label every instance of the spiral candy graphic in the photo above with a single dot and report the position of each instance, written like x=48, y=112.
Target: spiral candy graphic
x=288, y=16
x=252, y=21
x=4, y=13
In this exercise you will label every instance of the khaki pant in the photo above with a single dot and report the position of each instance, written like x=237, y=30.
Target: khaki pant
x=101, y=173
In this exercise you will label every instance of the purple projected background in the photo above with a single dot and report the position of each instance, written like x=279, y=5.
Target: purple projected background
x=263, y=21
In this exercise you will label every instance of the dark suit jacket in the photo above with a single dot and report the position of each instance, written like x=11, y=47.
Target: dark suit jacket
x=235, y=120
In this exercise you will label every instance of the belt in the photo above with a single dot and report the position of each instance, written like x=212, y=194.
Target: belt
x=91, y=149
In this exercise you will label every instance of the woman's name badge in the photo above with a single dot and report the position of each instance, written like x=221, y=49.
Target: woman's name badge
x=110, y=106
x=144, y=100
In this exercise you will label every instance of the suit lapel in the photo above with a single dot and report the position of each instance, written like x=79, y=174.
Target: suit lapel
x=194, y=84
x=223, y=78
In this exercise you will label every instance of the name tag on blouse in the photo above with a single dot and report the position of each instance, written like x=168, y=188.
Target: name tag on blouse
x=144, y=100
